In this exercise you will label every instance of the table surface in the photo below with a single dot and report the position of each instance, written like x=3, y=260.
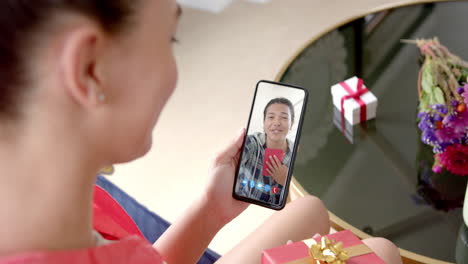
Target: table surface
x=379, y=179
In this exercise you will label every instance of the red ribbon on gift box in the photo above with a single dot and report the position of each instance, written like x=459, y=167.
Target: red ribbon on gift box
x=356, y=95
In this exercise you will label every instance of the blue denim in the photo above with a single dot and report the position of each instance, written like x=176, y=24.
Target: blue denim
x=150, y=224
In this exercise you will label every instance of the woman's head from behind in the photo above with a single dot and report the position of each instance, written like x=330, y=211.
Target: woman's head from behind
x=96, y=71
x=278, y=118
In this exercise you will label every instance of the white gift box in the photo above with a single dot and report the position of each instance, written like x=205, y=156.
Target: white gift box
x=351, y=107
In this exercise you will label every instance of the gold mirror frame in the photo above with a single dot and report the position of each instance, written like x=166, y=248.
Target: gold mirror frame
x=295, y=187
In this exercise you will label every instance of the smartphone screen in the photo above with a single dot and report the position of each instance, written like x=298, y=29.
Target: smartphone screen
x=269, y=149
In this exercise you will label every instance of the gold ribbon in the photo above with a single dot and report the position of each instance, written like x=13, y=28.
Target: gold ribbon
x=330, y=252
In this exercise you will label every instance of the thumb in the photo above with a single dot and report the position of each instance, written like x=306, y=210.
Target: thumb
x=231, y=150
x=234, y=147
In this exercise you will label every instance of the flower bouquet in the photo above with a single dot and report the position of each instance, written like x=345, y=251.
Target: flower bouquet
x=443, y=99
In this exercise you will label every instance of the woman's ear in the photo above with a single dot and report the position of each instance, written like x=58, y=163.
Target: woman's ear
x=81, y=49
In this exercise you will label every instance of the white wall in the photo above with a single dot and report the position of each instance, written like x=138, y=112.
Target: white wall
x=268, y=91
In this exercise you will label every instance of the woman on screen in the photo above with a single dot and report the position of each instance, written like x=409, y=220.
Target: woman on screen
x=264, y=179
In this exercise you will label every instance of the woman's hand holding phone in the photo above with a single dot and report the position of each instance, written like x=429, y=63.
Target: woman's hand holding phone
x=217, y=194
x=277, y=170
x=199, y=223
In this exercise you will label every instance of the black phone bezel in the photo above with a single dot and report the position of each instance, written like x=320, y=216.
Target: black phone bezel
x=293, y=156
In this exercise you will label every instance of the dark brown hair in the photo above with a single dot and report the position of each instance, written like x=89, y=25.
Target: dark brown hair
x=280, y=100
x=21, y=24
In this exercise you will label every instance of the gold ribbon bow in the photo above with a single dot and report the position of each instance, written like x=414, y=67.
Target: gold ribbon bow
x=330, y=252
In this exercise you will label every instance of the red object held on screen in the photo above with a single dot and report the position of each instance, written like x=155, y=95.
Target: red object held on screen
x=269, y=152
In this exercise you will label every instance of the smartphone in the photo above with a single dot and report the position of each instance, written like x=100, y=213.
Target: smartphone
x=273, y=129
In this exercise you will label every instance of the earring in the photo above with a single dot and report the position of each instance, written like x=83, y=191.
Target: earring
x=101, y=97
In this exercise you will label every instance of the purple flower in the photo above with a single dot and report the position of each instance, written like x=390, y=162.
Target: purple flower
x=448, y=134
x=465, y=93
x=459, y=122
x=454, y=103
x=460, y=90
x=425, y=122
x=441, y=130
x=443, y=146
x=428, y=137
x=438, y=149
x=440, y=108
x=424, y=126
x=449, y=118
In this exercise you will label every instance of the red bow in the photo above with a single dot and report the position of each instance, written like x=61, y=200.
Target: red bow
x=356, y=95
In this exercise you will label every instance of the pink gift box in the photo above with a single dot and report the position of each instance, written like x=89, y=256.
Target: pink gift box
x=300, y=250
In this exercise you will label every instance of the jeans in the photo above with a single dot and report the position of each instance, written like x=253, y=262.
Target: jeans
x=150, y=224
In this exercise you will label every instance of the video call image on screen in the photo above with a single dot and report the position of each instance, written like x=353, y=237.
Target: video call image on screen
x=268, y=147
